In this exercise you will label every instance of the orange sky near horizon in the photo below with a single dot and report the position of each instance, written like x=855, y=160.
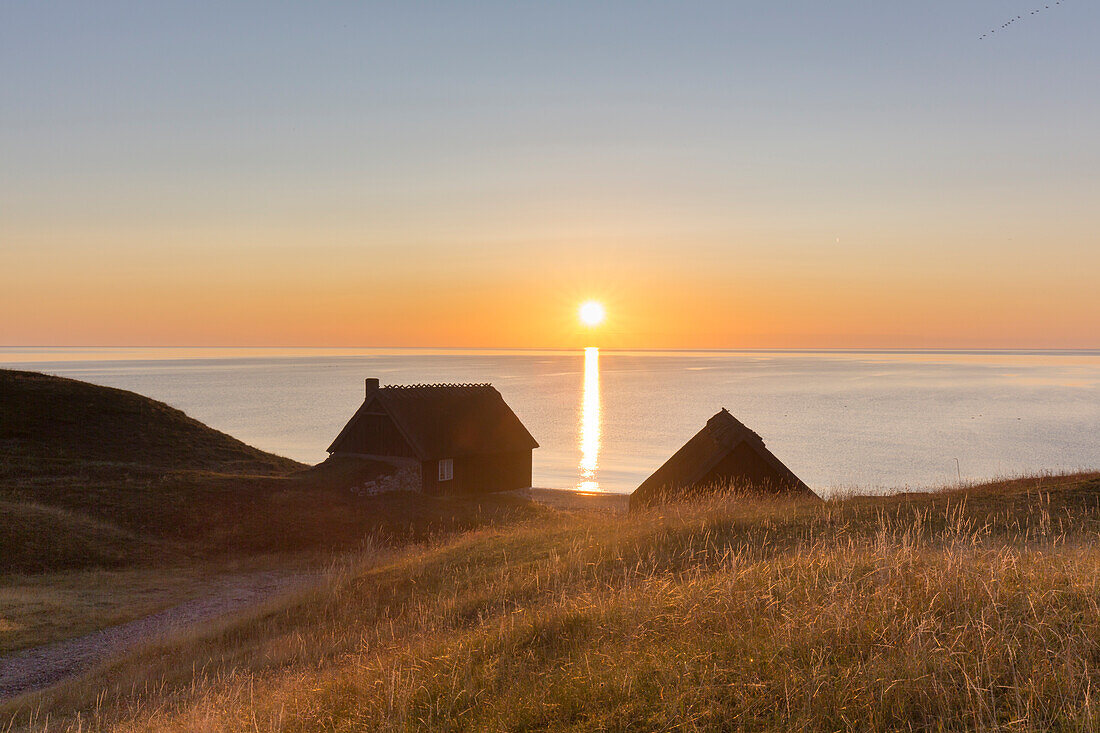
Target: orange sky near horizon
x=756, y=295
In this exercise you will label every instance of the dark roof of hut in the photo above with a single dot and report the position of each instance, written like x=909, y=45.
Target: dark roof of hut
x=448, y=420
x=722, y=433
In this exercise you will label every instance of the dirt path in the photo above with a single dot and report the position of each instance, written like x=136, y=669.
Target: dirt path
x=39, y=667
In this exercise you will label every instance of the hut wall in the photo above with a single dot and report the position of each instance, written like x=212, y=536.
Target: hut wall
x=480, y=474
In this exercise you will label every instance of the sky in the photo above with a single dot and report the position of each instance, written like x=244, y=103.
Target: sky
x=464, y=174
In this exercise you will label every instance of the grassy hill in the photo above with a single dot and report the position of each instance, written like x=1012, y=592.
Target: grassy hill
x=970, y=609
x=97, y=477
x=52, y=426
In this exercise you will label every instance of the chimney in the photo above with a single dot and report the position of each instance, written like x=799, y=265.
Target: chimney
x=372, y=386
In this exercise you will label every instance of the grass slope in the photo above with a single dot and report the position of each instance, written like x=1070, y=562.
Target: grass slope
x=35, y=537
x=52, y=426
x=959, y=610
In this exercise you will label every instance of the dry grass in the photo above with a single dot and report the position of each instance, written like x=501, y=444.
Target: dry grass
x=962, y=610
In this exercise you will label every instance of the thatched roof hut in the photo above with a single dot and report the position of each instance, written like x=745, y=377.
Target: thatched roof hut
x=724, y=455
x=458, y=438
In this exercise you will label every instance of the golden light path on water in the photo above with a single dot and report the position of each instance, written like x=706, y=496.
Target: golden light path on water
x=590, y=421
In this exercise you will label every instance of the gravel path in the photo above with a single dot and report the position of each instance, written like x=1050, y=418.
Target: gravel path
x=39, y=667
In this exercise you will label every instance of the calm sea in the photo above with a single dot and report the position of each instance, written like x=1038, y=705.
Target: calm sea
x=866, y=421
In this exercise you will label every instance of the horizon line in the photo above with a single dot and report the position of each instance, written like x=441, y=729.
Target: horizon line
x=719, y=349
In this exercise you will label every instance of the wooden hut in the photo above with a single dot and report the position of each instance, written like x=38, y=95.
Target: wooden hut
x=724, y=455
x=455, y=438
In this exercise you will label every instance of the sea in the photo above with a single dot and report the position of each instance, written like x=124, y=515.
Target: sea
x=843, y=421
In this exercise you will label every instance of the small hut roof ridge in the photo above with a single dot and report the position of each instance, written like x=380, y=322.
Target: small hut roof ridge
x=727, y=430
x=448, y=420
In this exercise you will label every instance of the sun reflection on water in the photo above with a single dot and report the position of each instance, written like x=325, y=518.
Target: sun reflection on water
x=590, y=422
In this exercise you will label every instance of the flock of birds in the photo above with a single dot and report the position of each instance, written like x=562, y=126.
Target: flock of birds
x=1018, y=17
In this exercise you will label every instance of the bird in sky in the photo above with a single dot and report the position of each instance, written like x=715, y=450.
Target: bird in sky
x=1018, y=17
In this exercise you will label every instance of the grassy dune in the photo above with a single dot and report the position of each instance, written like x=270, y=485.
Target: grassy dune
x=52, y=426
x=959, y=610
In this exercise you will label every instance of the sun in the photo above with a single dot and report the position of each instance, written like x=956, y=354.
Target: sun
x=592, y=313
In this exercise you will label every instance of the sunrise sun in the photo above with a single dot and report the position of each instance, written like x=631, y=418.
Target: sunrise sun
x=592, y=313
